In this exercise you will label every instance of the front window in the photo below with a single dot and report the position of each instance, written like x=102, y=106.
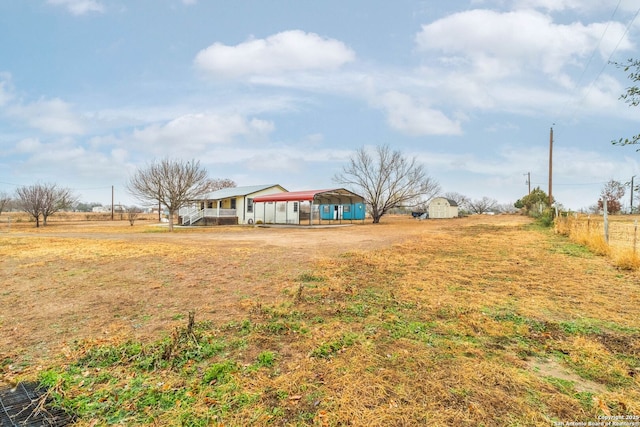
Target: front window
x=249, y=205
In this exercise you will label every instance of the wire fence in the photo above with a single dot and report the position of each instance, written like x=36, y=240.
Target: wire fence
x=619, y=232
x=5, y=224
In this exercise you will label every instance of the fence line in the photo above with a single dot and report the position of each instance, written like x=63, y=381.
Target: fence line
x=8, y=222
x=618, y=233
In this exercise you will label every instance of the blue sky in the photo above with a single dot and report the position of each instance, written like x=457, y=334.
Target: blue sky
x=283, y=92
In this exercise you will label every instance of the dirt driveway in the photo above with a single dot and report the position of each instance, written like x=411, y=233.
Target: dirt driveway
x=75, y=281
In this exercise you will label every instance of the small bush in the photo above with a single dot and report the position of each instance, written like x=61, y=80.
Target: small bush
x=545, y=219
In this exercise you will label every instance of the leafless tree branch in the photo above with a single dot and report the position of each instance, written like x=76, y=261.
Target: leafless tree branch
x=387, y=179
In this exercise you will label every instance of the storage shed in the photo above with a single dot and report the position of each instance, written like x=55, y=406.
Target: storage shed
x=441, y=207
x=310, y=206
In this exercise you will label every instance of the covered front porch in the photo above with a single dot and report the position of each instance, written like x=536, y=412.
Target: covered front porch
x=208, y=216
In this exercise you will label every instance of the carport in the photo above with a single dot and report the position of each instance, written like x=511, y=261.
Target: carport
x=295, y=207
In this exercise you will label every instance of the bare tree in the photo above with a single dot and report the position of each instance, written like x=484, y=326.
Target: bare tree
x=30, y=201
x=132, y=214
x=44, y=200
x=460, y=199
x=5, y=200
x=483, y=205
x=387, y=180
x=219, y=183
x=507, y=208
x=56, y=199
x=172, y=183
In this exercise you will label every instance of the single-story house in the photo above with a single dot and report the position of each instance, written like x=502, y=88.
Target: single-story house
x=441, y=207
x=234, y=205
x=296, y=207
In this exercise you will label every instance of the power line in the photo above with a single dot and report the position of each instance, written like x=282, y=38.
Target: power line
x=595, y=49
x=604, y=66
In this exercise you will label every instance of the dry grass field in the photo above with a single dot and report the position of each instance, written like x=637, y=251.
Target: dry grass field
x=475, y=321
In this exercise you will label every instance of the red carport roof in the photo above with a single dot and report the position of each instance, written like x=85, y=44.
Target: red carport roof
x=307, y=195
x=290, y=196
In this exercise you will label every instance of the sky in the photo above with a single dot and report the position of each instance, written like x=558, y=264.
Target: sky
x=284, y=92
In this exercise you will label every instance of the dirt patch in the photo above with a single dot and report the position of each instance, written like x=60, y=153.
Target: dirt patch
x=551, y=368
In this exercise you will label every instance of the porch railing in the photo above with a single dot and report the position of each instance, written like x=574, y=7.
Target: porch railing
x=192, y=215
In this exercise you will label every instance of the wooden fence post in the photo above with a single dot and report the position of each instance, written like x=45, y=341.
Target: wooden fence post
x=606, y=220
x=635, y=236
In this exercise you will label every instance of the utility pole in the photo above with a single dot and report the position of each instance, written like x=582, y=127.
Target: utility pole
x=528, y=174
x=550, y=166
x=631, y=204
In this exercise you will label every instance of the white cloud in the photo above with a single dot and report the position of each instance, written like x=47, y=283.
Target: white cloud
x=79, y=7
x=28, y=145
x=194, y=132
x=576, y=5
x=414, y=118
x=286, y=51
x=6, y=94
x=497, y=45
x=51, y=116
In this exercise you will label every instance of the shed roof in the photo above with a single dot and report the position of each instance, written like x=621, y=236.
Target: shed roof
x=451, y=202
x=335, y=195
x=225, y=193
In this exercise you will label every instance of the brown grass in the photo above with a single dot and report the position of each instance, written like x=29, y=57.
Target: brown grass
x=403, y=323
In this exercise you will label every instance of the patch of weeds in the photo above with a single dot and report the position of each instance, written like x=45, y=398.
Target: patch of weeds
x=330, y=349
x=449, y=311
x=567, y=387
x=358, y=310
x=579, y=327
x=219, y=373
x=414, y=330
x=509, y=317
x=266, y=359
x=597, y=368
x=572, y=249
x=307, y=280
x=5, y=362
x=278, y=327
x=310, y=278
x=238, y=344
x=105, y=356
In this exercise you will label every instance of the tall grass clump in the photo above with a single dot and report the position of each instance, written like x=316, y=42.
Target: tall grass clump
x=592, y=238
x=627, y=259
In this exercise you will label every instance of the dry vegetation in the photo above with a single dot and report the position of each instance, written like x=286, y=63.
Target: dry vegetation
x=476, y=321
x=621, y=241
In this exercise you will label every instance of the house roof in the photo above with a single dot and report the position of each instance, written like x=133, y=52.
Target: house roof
x=225, y=193
x=336, y=195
